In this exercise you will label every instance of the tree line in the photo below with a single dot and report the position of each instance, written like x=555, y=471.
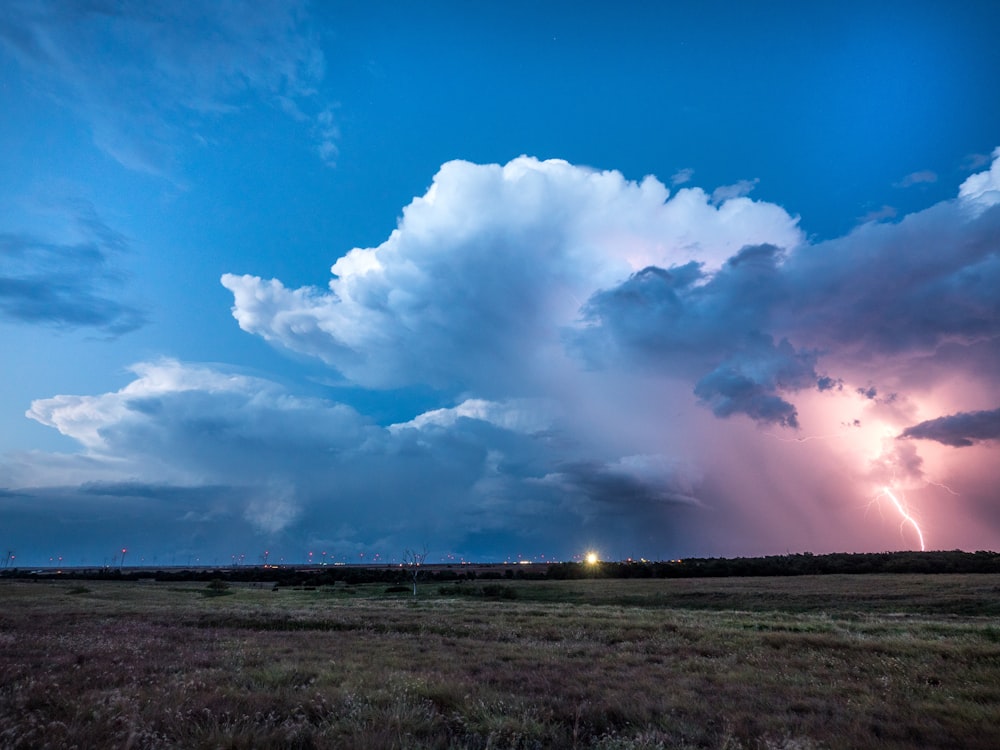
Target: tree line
x=860, y=563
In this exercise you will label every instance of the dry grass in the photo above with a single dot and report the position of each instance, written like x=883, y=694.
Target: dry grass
x=883, y=665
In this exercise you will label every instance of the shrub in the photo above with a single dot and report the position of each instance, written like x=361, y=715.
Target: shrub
x=217, y=587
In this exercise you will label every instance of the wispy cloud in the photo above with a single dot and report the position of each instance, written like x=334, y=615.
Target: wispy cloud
x=147, y=76
x=67, y=283
x=923, y=177
x=736, y=190
x=879, y=214
x=681, y=176
x=972, y=162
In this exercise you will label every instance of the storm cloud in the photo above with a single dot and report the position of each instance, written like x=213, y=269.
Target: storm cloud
x=606, y=361
x=540, y=280
x=958, y=430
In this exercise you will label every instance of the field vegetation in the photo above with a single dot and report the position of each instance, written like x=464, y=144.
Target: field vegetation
x=876, y=661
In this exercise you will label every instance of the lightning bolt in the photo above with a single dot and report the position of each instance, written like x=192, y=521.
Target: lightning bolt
x=944, y=487
x=884, y=490
x=907, y=518
x=803, y=439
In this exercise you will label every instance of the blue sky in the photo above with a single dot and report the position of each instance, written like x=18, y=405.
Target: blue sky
x=660, y=279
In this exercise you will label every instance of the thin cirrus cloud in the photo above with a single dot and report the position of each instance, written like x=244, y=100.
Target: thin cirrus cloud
x=922, y=177
x=736, y=190
x=682, y=176
x=880, y=214
x=70, y=282
x=141, y=74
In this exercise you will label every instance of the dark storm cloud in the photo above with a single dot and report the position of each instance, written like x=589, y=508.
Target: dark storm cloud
x=749, y=382
x=67, y=284
x=169, y=493
x=714, y=328
x=622, y=485
x=728, y=392
x=898, y=289
x=826, y=383
x=753, y=332
x=959, y=430
x=90, y=523
x=685, y=311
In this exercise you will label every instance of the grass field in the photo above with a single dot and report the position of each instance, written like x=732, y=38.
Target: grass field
x=810, y=662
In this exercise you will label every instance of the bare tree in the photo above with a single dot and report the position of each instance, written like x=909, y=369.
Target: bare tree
x=415, y=559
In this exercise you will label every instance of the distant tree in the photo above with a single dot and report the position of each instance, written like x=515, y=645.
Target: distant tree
x=414, y=560
x=217, y=587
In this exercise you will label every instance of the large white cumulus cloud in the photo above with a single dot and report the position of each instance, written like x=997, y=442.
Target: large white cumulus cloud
x=475, y=286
